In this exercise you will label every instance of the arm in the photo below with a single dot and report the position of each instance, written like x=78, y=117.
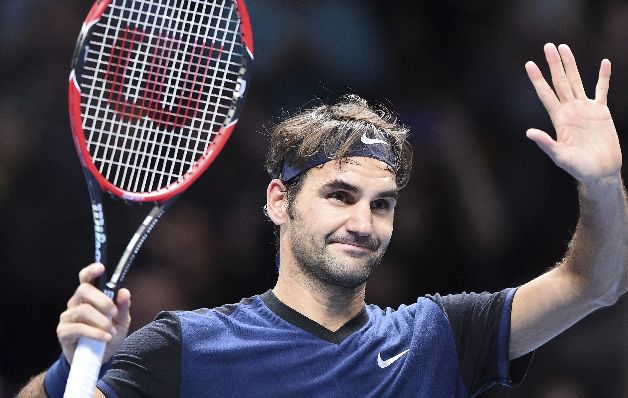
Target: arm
x=594, y=272
x=89, y=314
x=35, y=389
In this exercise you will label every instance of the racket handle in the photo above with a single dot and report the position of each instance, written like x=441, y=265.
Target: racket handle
x=86, y=363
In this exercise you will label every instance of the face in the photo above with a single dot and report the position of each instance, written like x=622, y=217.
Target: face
x=341, y=220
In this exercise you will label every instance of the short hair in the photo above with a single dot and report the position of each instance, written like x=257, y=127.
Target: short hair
x=334, y=128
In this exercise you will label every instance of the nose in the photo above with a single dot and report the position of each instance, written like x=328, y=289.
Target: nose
x=360, y=221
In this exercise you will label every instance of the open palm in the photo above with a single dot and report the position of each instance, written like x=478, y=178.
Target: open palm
x=586, y=143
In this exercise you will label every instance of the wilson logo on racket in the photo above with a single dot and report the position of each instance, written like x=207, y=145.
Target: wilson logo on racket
x=99, y=230
x=173, y=76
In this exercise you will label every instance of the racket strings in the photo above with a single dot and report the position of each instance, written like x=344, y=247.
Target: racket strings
x=170, y=115
x=159, y=81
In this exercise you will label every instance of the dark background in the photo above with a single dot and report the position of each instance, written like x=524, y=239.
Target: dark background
x=485, y=209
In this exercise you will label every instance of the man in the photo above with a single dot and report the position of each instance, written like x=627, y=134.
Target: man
x=336, y=173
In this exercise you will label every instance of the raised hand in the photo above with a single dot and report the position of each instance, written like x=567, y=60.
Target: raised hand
x=586, y=143
x=92, y=314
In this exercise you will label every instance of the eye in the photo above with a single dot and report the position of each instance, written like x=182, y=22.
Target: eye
x=340, y=196
x=383, y=204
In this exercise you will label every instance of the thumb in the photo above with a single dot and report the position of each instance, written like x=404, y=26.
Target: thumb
x=123, y=302
x=544, y=141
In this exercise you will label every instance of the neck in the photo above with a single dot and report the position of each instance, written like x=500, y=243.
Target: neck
x=328, y=305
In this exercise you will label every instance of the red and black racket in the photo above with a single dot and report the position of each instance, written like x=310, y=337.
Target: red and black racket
x=155, y=91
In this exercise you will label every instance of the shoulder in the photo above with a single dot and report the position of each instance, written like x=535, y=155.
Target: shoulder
x=423, y=317
x=163, y=331
x=424, y=306
x=147, y=362
x=169, y=327
x=221, y=325
x=151, y=359
x=218, y=315
x=441, y=312
x=458, y=307
x=246, y=304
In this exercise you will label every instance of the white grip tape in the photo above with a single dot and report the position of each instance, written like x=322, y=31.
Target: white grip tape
x=85, y=367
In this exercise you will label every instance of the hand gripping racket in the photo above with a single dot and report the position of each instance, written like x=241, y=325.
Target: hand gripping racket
x=154, y=93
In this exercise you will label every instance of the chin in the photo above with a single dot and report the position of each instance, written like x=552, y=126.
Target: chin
x=351, y=274
x=346, y=281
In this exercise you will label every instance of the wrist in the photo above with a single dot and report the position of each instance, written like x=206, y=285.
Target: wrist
x=601, y=187
x=57, y=376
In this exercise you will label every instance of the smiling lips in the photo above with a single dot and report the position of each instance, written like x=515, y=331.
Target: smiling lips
x=367, y=245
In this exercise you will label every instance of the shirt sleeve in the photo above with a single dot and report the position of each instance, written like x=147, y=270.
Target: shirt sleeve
x=148, y=362
x=481, y=326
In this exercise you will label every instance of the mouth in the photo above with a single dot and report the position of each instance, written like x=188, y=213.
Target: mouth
x=354, y=246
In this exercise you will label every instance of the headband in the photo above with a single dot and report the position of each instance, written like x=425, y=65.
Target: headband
x=377, y=147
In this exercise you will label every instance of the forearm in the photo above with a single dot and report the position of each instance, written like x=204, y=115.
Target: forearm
x=598, y=257
x=592, y=275
x=34, y=388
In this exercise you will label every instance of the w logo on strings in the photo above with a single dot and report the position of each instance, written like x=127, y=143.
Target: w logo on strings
x=159, y=76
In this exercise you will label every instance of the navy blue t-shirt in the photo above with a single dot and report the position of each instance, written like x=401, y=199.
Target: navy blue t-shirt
x=440, y=346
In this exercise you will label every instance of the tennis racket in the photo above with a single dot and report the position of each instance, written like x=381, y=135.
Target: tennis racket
x=154, y=93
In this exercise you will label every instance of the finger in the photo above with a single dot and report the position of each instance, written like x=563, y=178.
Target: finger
x=123, y=301
x=543, y=90
x=603, y=82
x=69, y=333
x=89, y=294
x=88, y=315
x=559, y=78
x=544, y=141
x=91, y=272
x=571, y=70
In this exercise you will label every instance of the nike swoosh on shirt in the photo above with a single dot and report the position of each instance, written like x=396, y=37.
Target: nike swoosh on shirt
x=384, y=364
x=369, y=141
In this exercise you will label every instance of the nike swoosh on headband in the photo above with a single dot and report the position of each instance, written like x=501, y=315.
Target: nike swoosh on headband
x=370, y=141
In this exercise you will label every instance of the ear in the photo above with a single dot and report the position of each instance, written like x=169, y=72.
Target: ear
x=276, y=205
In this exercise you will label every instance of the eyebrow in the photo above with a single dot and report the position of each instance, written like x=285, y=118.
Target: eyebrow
x=340, y=184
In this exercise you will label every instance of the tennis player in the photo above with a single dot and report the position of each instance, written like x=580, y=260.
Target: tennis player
x=336, y=172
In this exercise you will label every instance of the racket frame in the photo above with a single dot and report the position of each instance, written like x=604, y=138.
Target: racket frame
x=89, y=353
